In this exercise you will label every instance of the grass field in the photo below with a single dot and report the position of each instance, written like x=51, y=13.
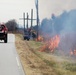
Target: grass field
x=41, y=63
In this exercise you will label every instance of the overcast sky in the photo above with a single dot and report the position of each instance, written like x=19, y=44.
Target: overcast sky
x=13, y=9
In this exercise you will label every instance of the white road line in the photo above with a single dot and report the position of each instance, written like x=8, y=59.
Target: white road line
x=10, y=63
x=18, y=62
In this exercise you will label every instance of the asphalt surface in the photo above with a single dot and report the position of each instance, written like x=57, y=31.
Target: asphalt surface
x=9, y=60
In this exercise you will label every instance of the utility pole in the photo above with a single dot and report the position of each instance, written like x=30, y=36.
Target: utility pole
x=31, y=18
x=27, y=20
x=24, y=20
x=36, y=2
x=37, y=21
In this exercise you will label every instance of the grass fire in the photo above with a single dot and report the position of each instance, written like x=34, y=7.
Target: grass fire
x=73, y=52
x=40, y=38
x=53, y=52
x=51, y=44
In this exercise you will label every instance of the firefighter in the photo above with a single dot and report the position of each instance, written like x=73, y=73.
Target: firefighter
x=34, y=35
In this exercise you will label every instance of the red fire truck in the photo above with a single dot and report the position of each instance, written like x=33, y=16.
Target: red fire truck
x=3, y=32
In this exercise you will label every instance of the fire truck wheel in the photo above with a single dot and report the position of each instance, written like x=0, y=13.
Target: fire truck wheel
x=27, y=39
x=5, y=40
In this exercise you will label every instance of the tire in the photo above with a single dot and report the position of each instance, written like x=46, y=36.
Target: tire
x=5, y=40
x=27, y=39
x=24, y=38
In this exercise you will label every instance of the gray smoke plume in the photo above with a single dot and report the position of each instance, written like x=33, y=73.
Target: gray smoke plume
x=63, y=25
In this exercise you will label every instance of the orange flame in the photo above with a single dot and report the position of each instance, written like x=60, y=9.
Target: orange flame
x=40, y=38
x=54, y=42
x=51, y=44
x=73, y=52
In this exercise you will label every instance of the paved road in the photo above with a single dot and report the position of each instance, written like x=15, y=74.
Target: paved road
x=9, y=60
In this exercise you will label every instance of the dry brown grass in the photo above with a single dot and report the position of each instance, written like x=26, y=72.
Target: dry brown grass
x=38, y=63
x=32, y=64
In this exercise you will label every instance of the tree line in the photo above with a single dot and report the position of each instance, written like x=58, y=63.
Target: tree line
x=12, y=25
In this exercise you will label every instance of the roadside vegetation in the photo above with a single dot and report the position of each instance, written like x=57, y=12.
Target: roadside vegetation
x=35, y=62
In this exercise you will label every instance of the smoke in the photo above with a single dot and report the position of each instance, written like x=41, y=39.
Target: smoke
x=47, y=7
x=63, y=25
x=68, y=33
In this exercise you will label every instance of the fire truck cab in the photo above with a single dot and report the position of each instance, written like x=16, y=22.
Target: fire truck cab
x=3, y=32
